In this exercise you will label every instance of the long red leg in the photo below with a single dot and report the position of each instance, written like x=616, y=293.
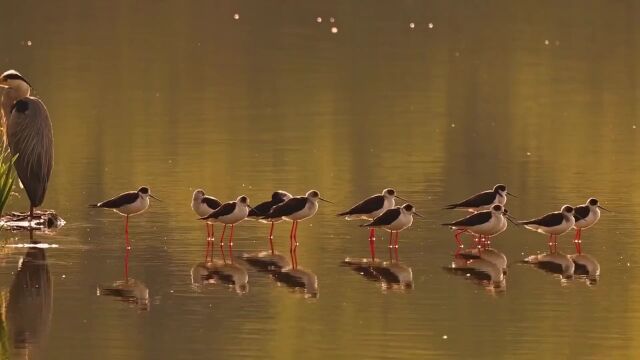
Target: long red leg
x=224, y=229
x=212, y=240
x=231, y=244
x=577, y=241
x=555, y=243
x=126, y=232
x=206, y=252
x=271, y=237
x=457, y=237
x=372, y=244
x=390, y=239
x=126, y=266
x=550, y=244
x=295, y=245
x=397, y=239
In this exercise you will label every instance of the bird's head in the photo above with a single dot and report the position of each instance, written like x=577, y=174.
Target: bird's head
x=198, y=194
x=314, y=195
x=567, y=209
x=410, y=209
x=243, y=200
x=501, y=189
x=593, y=202
x=391, y=194
x=497, y=209
x=145, y=193
x=13, y=80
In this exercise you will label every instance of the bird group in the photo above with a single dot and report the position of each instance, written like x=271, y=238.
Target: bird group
x=28, y=134
x=490, y=217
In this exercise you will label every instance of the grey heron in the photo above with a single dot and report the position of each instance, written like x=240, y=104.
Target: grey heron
x=29, y=135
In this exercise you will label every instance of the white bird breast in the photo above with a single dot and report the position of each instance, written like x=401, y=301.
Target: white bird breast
x=138, y=206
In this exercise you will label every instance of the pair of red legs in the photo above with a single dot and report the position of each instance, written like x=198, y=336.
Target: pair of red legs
x=210, y=240
x=578, y=241
x=293, y=244
x=126, y=232
x=224, y=229
x=393, y=243
x=457, y=235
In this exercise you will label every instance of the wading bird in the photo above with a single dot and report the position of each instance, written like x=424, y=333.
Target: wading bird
x=127, y=204
x=553, y=224
x=369, y=209
x=262, y=209
x=394, y=220
x=204, y=205
x=296, y=209
x=585, y=216
x=484, y=224
x=229, y=213
x=28, y=132
x=483, y=200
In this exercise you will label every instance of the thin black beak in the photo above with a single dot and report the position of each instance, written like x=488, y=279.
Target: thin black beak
x=417, y=214
x=511, y=219
x=604, y=208
x=510, y=194
x=325, y=200
x=401, y=198
x=155, y=197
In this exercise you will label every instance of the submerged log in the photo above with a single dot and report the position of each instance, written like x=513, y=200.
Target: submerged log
x=42, y=220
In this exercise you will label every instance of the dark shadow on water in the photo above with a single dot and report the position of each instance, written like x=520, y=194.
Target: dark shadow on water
x=29, y=306
x=486, y=268
x=280, y=268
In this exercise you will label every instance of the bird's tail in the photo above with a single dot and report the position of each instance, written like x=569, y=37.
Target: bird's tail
x=450, y=207
x=94, y=206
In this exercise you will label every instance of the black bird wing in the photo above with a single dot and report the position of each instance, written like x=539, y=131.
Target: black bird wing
x=366, y=206
x=118, y=201
x=581, y=212
x=263, y=208
x=224, y=209
x=30, y=136
x=482, y=199
x=386, y=218
x=475, y=219
x=211, y=202
x=288, y=207
x=549, y=220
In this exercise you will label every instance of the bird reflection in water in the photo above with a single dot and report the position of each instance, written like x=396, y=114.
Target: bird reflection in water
x=392, y=274
x=284, y=272
x=29, y=306
x=220, y=271
x=579, y=266
x=128, y=290
x=486, y=267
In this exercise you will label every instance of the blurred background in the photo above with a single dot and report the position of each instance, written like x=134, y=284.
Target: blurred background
x=437, y=99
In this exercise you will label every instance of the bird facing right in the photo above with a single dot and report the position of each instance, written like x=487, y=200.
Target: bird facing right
x=483, y=200
x=585, y=216
x=394, y=220
x=553, y=224
x=369, y=209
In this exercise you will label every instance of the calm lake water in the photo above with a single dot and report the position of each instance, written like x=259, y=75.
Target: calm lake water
x=542, y=96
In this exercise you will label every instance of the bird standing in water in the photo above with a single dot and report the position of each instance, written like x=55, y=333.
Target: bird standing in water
x=29, y=135
x=369, y=209
x=262, y=209
x=229, y=213
x=204, y=205
x=553, y=224
x=585, y=216
x=129, y=203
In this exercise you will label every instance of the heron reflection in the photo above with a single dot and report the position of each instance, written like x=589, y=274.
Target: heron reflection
x=29, y=307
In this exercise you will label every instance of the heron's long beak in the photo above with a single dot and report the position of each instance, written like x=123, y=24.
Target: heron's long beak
x=401, y=198
x=325, y=200
x=155, y=197
x=510, y=194
x=600, y=207
x=417, y=214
